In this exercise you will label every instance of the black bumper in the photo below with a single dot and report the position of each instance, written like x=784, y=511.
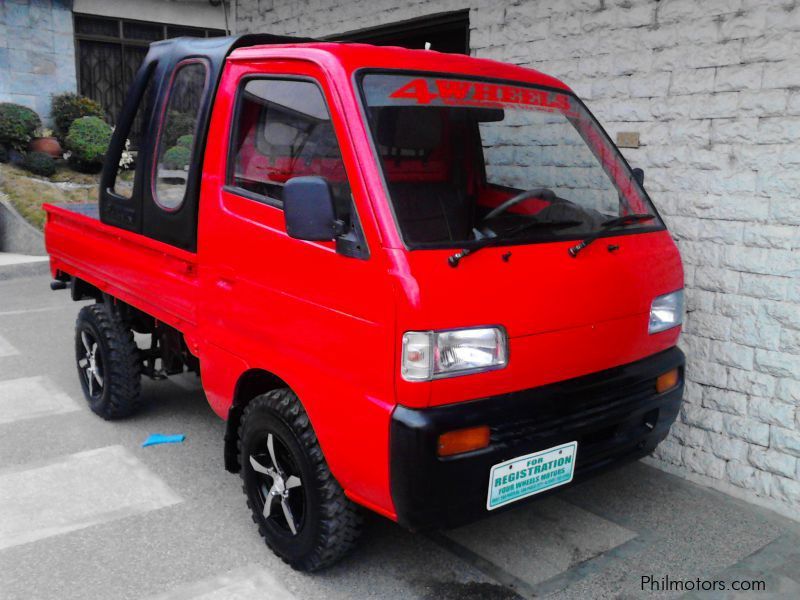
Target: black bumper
x=615, y=416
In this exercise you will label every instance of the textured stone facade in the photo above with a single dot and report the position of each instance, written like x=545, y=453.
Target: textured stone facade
x=713, y=88
x=37, y=52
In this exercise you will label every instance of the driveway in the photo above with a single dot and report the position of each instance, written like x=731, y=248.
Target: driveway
x=86, y=512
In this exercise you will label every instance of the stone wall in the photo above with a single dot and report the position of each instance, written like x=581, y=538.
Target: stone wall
x=713, y=88
x=37, y=52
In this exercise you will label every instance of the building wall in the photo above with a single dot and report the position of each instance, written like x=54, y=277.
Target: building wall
x=37, y=52
x=712, y=88
x=190, y=13
x=37, y=46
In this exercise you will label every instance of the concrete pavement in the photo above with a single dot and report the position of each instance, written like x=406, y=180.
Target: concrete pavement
x=85, y=512
x=20, y=265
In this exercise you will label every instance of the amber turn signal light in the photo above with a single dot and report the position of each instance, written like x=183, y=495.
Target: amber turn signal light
x=667, y=381
x=463, y=440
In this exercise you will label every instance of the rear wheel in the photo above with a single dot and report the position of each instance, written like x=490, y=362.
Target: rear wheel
x=300, y=509
x=108, y=361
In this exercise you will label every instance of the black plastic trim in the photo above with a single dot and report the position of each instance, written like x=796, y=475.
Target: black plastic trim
x=255, y=197
x=609, y=413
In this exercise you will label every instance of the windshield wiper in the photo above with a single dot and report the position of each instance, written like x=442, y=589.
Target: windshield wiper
x=485, y=242
x=610, y=224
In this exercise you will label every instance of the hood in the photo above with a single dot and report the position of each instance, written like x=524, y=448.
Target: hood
x=564, y=316
x=536, y=288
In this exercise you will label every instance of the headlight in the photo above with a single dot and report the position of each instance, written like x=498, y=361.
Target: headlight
x=433, y=354
x=666, y=312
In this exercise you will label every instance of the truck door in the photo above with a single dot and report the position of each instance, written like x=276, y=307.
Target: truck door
x=317, y=316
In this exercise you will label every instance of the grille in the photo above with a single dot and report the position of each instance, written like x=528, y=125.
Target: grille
x=592, y=413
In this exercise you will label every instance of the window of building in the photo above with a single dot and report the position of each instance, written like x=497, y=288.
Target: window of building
x=109, y=52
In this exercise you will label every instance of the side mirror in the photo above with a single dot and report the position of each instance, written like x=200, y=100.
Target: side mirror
x=309, y=210
x=638, y=175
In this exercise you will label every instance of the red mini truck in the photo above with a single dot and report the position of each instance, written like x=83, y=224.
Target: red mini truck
x=424, y=284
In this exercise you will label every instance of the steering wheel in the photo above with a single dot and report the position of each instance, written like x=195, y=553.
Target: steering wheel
x=544, y=193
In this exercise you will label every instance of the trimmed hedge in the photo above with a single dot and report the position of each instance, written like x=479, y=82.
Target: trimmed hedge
x=17, y=124
x=186, y=141
x=87, y=141
x=39, y=163
x=178, y=124
x=66, y=108
x=176, y=157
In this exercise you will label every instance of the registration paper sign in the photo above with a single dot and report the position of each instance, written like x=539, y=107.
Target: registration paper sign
x=531, y=474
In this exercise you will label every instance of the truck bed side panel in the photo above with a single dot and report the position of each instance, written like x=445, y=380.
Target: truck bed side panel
x=157, y=278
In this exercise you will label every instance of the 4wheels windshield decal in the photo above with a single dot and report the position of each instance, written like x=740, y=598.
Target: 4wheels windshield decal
x=404, y=90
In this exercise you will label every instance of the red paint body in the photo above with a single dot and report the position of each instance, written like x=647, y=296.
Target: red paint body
x=330, y=326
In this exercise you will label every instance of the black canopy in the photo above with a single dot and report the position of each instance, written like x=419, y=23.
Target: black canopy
x=140, y=213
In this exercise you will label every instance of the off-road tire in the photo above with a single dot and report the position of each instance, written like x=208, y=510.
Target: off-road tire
x=332, y=523
x=121, y=389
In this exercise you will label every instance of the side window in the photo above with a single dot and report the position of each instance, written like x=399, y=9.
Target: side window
x=123, y=184
x=178, y=131
x=284, y=130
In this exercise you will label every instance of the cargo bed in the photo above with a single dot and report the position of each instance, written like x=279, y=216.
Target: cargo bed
x=126, y=265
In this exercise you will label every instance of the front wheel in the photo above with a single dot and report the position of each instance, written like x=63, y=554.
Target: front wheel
x=108, y=362
x=300, y=509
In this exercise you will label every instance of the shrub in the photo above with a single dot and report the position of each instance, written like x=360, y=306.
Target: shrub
x=17, y=124
x=178, y=124
x=176, y=157
x=15, y=156
x=66, y=108
x=87, y=142
x=39, y=163
x=185, y=140
x=3, y=154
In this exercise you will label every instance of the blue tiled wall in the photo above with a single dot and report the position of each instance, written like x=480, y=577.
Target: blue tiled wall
x=37, y=52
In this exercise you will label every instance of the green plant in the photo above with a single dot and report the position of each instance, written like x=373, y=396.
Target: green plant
x=87, y=142
x=27, y=194
x=66, y=108
x=39, y=163
x=176, y=157
x=178, y=124
x=185, y=140
x=17, y=124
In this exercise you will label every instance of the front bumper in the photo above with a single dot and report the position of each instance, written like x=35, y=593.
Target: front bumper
x=615, y=416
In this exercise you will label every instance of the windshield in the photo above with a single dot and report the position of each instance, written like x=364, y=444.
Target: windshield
x=465, y=160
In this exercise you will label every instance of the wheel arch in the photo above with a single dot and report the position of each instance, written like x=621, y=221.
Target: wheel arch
x=250, y=384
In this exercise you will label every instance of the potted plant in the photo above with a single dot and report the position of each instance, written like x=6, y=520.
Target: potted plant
x=44, y=141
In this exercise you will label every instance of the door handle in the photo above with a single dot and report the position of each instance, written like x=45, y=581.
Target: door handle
x=224, y=283
x=226, y=278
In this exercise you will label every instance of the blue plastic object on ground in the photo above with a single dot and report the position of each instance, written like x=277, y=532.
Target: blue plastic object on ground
x=160, y=438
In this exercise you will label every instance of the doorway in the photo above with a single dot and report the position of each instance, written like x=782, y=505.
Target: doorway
x=446, y=32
